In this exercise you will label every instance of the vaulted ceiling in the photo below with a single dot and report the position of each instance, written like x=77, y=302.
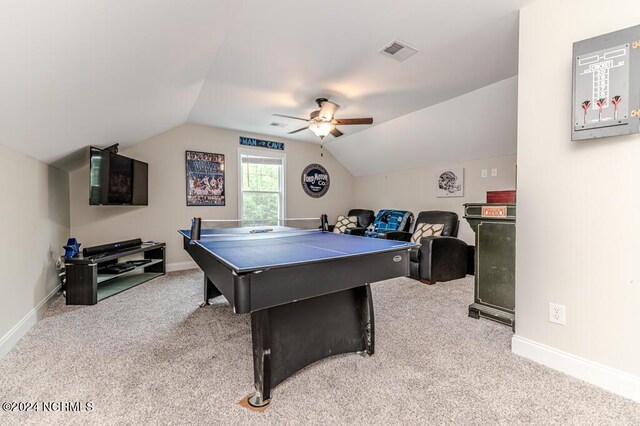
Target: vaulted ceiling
x=82, y=72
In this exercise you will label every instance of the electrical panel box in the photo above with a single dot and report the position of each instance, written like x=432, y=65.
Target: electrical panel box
x=606, y=85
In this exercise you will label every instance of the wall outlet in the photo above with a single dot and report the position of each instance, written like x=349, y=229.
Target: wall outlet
x=484, y=173
x=558, y=313
x=494, y=172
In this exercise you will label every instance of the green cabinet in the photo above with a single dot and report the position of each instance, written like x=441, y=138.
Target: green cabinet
x=495, y=261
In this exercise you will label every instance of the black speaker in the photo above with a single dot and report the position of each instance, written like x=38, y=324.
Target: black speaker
x=105, y=248
x=324, y=222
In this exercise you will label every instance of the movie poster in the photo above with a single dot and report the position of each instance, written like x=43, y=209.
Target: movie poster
x=205, y=179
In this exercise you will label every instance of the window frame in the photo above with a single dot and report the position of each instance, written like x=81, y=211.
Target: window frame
x=283, y=178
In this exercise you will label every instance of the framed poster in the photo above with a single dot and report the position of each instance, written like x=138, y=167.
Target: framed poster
x=205, y=178
x=450, y=183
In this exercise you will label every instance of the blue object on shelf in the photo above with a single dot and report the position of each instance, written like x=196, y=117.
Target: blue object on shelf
x=72, y=248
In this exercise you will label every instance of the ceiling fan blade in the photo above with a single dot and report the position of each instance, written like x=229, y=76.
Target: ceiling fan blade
x=337, y=133
x=349, y=121
x=288, y=116
x=299, y=130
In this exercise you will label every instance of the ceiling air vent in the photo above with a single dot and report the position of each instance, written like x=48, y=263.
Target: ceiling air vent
x=398, y=50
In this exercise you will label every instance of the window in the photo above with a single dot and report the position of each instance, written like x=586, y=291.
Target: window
x=261, y=199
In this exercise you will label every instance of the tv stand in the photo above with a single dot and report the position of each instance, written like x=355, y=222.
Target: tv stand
x=87, y=286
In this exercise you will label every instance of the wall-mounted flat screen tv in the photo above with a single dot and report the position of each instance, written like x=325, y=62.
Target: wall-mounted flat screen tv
x=117, y=180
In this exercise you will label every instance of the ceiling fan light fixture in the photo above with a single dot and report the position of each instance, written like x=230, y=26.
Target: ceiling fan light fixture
x=321, y=128
x=327, y=116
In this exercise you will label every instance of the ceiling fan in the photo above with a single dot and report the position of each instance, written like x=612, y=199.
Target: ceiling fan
x=322, y=121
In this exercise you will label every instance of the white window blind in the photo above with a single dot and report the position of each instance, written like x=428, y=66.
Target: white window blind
x=261, y=188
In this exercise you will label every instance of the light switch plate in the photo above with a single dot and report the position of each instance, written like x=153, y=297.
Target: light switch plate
x=484, y=173
x=494, y=172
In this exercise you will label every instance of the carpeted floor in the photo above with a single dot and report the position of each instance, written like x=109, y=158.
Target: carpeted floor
x=151, y=356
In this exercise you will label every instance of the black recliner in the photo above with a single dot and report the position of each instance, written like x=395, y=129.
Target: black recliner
x=439, y=258
x=365, y=217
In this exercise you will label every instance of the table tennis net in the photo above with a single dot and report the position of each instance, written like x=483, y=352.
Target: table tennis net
x=300, y=223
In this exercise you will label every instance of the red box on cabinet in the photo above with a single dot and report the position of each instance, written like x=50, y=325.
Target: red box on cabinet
x=501, y=196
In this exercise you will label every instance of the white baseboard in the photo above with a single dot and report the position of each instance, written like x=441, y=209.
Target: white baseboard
x=608, y=378
x=181, y=266
x=14, y=335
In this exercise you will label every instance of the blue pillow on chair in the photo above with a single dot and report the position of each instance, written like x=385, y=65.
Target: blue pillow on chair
x=388, y=220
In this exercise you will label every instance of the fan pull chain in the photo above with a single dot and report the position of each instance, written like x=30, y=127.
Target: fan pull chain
x=321, y=146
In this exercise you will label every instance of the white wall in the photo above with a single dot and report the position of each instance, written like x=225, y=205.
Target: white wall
x=167, y=211
x=415, y=189
x=474, y=131
x=34, y=224
x=578, y=238
x=478, y=124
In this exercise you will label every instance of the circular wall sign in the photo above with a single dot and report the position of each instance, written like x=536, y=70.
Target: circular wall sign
x=315, y=180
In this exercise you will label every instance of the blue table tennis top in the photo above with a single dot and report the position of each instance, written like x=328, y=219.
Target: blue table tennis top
x=246, y=252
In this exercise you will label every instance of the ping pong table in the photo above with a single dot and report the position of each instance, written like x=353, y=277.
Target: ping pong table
x=307, y=292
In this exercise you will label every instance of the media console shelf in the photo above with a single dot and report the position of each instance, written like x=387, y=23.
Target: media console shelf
x=87, y=286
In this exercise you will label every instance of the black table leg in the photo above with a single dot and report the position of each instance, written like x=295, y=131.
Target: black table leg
x=261, y=337
x=367, y=322
x=210, y=291
x=287, y=338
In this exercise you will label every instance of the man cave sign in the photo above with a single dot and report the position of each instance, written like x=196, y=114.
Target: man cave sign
x=315, y=180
